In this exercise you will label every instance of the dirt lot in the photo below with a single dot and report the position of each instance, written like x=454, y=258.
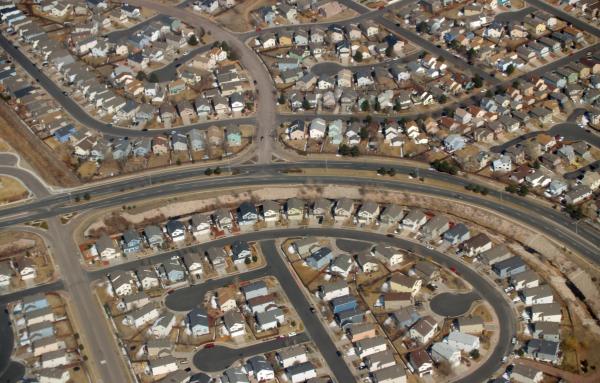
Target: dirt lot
x=238, y=18
x=12, y=190
x=35, y=153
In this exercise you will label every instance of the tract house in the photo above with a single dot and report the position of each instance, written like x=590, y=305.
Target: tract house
x=457, y=234
x=147, y=277
x=197, y=321
x=435, y=227
x=176, y=230
x=132, y=241
x=105, y=248
x=247, y=214
x=414, y=220
x=174, y=270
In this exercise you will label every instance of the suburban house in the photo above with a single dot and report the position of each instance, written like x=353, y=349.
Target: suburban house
x=457, y=234
x=320, y=258
x=526, y=374
x=123, y=283
x=105, y=248
x=174, y=270
x=471, y=325
x=509, y=267
x=234, y=323
x=414, y=220
x=193, y=264
x=176, y=230
x=291, y=356
x=388, y=254
x=401, y=283
x=476, y=245
x=333, y=290
x=148, y=277
x=370, y=346
x=524, y=280
x=462, y=341
x=247, y=214
x=443, y=352
x=198, y=322
x=420, y=363
x=424, y=329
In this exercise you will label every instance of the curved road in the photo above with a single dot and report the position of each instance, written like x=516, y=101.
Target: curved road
x=221, y=357
x=187, y=298
x=553, y=223
x=8, y=166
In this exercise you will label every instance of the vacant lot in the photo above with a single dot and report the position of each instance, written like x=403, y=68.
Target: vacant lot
x=33, y=151
x=11, y=190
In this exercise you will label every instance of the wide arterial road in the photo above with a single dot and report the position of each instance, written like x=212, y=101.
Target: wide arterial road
x=582, y=238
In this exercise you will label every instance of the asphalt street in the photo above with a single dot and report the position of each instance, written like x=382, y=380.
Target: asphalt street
x=187, y=298
x=414, y=38
x=220, y=357
x=86, y=119
x=332, y=67
x=453, y=305
x=8, y=166
x=553, y=223
x=169, y=71
x=569, y=130
x=565, y=16
x=266, y=105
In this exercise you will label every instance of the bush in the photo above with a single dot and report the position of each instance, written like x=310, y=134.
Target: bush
x=208, y=171
x=523, y=190
x=86, y=196
x=391, y=172
x=445, y=167
x=511, y=188
x=247, y=261
x=193, y=40
x=474, y=353
x=217, y=170
x=381, y=171
x=344, y=150
x=574, y=212
x=354, y=152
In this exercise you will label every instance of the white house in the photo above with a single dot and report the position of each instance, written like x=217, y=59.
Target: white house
x=290, y=356
x=414, y=220
x=462, y=341
x=424, y=329
x=443, y=352
x=163, y=365
x=537, y=295
x=142, y=316
x=502, y=164
x=163, y=325
x=370, y=346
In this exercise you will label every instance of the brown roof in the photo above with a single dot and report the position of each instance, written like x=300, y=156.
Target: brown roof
x=419, y=357
x=396, y=297
x=261, y=299
x=403, y=280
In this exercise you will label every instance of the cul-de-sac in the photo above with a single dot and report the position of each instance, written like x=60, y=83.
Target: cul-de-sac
x=289, y=191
